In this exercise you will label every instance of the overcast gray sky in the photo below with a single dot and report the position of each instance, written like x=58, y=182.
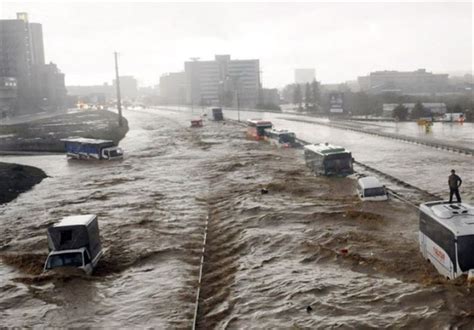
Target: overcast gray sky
x=339, y=40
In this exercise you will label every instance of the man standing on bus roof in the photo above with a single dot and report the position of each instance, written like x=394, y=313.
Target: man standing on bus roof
x=454, y=182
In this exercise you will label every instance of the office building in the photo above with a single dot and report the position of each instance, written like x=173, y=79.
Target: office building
x=223, y=81
x=22, y=58
x=173, y=88
x=409, y=82
x=303, y=76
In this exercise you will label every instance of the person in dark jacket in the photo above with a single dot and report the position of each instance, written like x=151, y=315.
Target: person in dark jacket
x=454, y=182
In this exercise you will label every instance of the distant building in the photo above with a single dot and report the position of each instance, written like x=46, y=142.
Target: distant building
x=223, y=81
x=434, y=108
x=303, y=76
x=411, y=82
x=269, y=96
x=96, y=94
x=22, y=58
x=173, y=88
x=128, y=87
x=49, y=86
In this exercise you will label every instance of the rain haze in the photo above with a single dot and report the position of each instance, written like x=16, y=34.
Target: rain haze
x=236, y=165
x=341, y=40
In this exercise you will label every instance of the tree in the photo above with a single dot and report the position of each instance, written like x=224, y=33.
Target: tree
x=418, y=111
x=400, y=112
x=315, y=94
x=297, y=96
x=307, y=97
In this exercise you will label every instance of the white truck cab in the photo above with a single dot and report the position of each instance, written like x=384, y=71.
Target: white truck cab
x=112, y=153
x=74, y=242
x=369, y=188
x=79, y=258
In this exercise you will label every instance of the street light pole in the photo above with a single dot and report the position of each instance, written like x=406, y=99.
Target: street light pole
x=117, y=82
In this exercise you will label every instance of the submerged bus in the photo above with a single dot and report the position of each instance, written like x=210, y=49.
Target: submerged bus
x=446, y=237
x=256, y=128
x=327, y=159
x=282, y=138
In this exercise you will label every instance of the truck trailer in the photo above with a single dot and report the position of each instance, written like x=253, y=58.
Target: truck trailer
x=82, y=148
x=74, y=242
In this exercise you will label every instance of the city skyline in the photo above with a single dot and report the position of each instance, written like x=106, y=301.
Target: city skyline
x=156, y=38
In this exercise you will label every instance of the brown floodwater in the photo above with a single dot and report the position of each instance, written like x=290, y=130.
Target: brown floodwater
x=308, y=242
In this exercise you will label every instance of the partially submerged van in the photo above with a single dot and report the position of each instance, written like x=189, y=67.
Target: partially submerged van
x=369, y=188
x=74, y=242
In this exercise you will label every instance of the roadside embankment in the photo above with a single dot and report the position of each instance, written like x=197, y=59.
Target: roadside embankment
x=44, y=135
x=16, y=179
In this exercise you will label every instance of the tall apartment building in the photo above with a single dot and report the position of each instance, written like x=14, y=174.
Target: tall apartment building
x=223, y=81
x=303, y=76
x=173, y=88
x=22, y=58
x=406, y=82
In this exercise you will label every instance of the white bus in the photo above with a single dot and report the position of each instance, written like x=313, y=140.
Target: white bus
x=327, y=159
x=446, y=237
x=369, y=188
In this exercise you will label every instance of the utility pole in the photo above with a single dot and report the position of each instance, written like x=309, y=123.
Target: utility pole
x=117, y=83
x=238, y=105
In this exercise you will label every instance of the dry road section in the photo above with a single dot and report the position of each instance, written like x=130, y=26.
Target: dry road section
x=306, y=254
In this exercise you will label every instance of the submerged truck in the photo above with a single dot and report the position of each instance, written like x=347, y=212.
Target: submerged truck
x=82, y=148
x=74, y=242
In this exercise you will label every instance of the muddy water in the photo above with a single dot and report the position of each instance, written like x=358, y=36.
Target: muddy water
x=308, y=242
x=421, y=166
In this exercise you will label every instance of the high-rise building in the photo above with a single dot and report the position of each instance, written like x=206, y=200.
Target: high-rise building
x=303, y=76
x=22, y=59
x=223, y=81
x=411, y=82
x=173, y=88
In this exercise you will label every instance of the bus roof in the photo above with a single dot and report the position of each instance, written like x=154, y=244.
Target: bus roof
x=325, y=149
x=87, y=141
x=369, y=182
x=457, y=217
x=278, y=131
x=259, y=122
x=76, y=220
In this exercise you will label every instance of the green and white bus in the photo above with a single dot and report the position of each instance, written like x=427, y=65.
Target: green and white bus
x=326, y=159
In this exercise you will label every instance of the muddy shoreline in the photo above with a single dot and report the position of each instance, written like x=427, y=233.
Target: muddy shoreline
x=44, y=135
x=16, y=179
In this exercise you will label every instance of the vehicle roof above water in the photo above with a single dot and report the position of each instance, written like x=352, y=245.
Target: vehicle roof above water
x=279, y=131
x=87, y=141
x=259, y=122
x=76, y=220
x=457, y=217
x=325, y=149
x=368, y=182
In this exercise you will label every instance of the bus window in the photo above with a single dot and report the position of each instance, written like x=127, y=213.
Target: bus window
x=465, y=255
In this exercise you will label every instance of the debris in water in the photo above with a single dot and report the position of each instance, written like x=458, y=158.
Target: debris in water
x=309, y=308
x=264, y=191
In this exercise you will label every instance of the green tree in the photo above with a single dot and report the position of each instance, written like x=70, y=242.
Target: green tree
x=307, y=97
x=418, y=111
x=315, y=94
x=297, y=96
x=400, y=112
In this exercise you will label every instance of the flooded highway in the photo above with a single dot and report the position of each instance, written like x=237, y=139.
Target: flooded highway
x=307, y=254
x=421, y=166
